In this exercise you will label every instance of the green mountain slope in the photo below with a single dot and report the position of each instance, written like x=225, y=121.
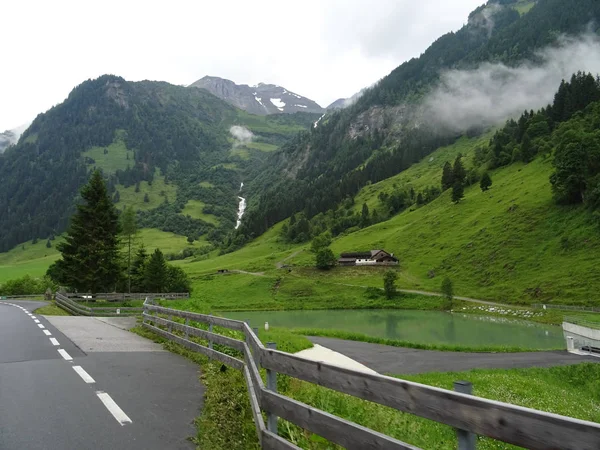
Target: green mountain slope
x=160, y=146
x=378, y=137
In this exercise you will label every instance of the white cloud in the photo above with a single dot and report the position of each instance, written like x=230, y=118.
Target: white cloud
x=242, y=135
x=494, y=92
x=321, y=49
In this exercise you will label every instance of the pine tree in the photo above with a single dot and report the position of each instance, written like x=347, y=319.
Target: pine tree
x=458, y=171
x=447, y=177
x=48, y=244
x=364, y=216
x=129, y=231
x=458, y=192
x=155, y=272
x=90, y=254
x=389, y=283
x=146, y=198
x=137, y=270
x=486, y=182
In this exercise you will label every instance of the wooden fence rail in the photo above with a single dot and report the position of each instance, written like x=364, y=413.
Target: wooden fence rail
x=78, y=309
x=470, y=414
x=566, y=307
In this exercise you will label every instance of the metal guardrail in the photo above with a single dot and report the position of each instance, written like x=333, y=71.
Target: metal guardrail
x=468, y=414
x=567, y=307
x=77, y=309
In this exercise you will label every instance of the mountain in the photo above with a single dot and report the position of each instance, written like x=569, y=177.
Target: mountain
x=261, y=99
x=410, y=113
x=11, y=137
x=178, y=155
x=342, y=103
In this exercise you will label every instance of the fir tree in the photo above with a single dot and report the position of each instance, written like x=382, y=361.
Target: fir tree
x=90, y=254
x=364, y=216
x=155, y=272
x=486, y=182
x=458, y=192
x=447, y=177
x=389, y=283
x=138, y=266
x=458, y=171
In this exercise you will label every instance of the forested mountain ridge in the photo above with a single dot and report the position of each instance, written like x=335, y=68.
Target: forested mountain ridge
x=160, y=146
x=386, y=130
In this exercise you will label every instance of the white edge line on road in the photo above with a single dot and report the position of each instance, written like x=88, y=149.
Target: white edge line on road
x=114, y=409
x=54, y=341
x=36, y=321
x=47, y=333
x=33, y=317
x=64, y=354
x=83, y=374
x=41, y=326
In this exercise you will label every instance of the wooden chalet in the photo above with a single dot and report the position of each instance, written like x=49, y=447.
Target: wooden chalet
x=371, y=258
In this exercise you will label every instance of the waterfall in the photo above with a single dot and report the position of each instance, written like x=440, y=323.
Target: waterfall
x=241, y=208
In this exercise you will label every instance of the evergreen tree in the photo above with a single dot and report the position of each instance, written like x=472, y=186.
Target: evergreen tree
x=458, y=171
x=177, y=280
x=48, y=244
x=389, y=283
x=90, y=255
x=364, y=216
x=458, y=192
x=146, y=198
x=129, y=230
x=116, y=197
x=447, y=177
x=486, y=182
x=138, y=266
x=448, y=291
x=155, y=272
x=527, y=149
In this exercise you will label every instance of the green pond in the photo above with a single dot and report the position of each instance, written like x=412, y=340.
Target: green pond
x=426, y=327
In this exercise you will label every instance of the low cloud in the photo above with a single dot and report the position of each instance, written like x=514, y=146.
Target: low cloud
x=493, y=93
x=242, y=135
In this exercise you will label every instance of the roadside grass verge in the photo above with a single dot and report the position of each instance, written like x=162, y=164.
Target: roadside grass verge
x=351, y=336
x=226, y=420
x=51, y=310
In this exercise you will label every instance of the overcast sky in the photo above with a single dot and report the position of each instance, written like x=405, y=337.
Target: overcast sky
x=322, y=49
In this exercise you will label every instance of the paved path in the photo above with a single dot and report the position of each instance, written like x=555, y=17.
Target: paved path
x=60, y=390
x=399, y=360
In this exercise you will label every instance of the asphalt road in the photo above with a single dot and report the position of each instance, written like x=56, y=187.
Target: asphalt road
x=119, y=395
x=398, y=360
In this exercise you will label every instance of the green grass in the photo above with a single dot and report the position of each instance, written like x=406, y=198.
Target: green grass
x=157, y=192
x=349, y=336
x=569, y=390
x=118, y=156
x=193, y=208
x=241, y=152
x=33, y=260
x=262, y=146
x=167, y=242
x=524, y=6
x=51, y=310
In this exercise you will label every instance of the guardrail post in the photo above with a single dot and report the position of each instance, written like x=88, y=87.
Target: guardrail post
x=210, y=342
x=466, y=439
x=169, y=326
x=187, y=324
x=272, y=386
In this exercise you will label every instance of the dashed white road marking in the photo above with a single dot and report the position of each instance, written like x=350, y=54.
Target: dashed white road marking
x=65, y=355
x=41, y=326
x=33, y=317
x=114, y=409
x=83, y=374
x=47, y=333
x=36, y=321
x=54, y=341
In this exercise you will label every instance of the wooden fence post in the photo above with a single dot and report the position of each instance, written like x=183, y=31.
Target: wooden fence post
x=187, y=324
x=272, y=386
x=210, y=343
x=466, y=439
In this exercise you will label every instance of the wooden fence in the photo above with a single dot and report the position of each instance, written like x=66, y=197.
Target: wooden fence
x=119, y=296
x=470, y=415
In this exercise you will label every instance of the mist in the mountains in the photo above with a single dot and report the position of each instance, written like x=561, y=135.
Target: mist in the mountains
x=242, y=135
x=492, y=93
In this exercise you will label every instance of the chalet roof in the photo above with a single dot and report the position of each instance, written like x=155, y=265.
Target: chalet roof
x=347, y=259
